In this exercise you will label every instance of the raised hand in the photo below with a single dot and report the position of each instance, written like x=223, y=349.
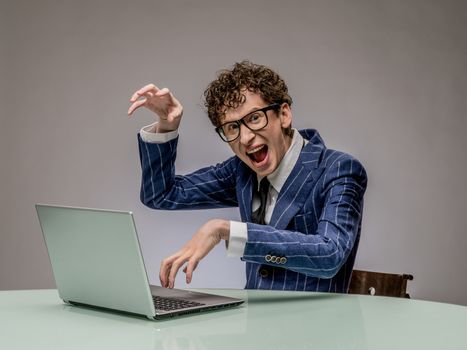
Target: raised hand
x=160, y=102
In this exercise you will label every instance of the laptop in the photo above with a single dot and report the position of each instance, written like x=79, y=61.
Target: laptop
x=97, y=262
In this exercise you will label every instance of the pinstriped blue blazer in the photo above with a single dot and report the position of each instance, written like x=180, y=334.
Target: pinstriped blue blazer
x=312, y=238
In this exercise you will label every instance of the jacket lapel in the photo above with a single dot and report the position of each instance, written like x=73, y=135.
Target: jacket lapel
x=245, y=192
x=298, y=186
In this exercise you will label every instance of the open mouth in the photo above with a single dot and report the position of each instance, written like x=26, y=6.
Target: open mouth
x=258, y=154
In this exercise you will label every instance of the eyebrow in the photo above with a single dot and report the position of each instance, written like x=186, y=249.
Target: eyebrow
x=253, y=109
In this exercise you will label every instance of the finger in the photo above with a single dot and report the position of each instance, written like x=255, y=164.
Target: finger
x=162, y=92
x=147, y=95
x=164, y=271
x=143, y=90
x=168, y=96
x=148, y=88
x=136, y=105
x=192, y=264
x=174, y=270
x=163, y=274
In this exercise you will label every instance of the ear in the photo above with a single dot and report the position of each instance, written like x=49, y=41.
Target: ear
x=285, y=115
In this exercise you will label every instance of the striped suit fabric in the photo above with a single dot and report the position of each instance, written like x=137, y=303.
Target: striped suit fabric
x=312, y=238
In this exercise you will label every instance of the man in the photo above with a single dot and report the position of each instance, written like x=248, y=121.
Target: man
x=300, y=203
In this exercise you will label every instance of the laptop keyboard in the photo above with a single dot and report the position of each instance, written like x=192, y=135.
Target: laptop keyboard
x=168, y=304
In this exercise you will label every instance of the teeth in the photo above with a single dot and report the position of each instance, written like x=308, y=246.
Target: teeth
x=255, y=149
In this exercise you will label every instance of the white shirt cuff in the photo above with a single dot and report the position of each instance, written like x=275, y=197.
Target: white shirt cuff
x=156, y=137
x=237, y=239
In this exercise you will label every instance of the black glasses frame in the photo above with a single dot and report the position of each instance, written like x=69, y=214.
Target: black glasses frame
x=240, y=121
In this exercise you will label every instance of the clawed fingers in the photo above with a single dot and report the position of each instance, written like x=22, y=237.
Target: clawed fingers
x=169, y=269
x=135, y=105
x=205, y=239
x=150, y=88
x=171, y=266
x=176, y=265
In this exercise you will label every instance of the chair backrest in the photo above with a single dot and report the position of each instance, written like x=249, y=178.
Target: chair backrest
x=379, y=283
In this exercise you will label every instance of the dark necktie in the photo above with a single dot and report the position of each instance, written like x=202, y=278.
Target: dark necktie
x=257, y=216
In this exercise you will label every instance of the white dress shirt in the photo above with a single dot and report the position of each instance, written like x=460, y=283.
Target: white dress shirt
x=238, y=230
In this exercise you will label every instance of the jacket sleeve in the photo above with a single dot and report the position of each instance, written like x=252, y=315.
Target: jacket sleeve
x=210, y=187
x=322, y=252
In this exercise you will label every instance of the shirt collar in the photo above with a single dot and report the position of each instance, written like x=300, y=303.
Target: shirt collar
x=279, y=176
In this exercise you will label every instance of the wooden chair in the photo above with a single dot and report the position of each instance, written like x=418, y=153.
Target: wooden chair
x=379, y=283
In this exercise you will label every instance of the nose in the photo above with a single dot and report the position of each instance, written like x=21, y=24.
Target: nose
x=246, y=135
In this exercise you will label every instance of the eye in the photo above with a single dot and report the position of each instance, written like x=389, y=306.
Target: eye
x=253, y=118
x=230, y=128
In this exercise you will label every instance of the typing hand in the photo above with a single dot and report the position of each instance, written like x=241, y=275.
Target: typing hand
x=162, y=103
x=204, y=240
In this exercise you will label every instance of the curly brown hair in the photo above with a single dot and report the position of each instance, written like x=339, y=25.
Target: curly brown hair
x=227, y=90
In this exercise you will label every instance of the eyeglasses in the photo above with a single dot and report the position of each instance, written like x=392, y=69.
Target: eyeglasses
x=254, y=121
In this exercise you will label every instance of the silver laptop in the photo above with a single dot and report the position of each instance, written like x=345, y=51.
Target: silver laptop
x=97, y=262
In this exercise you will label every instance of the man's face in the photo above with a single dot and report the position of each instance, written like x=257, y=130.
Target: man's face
x=264, y=149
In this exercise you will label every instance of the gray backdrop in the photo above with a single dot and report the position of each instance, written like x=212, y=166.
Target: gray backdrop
x=382, y=80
